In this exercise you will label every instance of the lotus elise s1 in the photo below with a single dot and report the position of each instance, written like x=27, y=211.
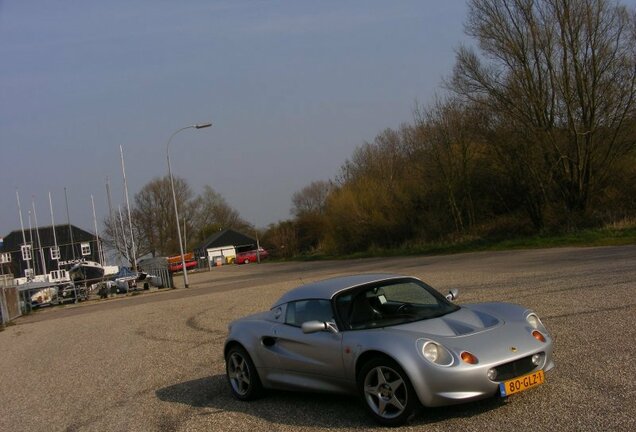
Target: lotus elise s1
x=391, y=339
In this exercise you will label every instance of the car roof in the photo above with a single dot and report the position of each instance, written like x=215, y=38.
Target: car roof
x=327, y=288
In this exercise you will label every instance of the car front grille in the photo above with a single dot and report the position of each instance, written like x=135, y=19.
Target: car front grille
x=514, y=369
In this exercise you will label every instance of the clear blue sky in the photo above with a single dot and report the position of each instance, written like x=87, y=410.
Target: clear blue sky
x=292, y=87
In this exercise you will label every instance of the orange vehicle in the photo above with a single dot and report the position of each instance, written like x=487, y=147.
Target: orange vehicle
x=175, y=264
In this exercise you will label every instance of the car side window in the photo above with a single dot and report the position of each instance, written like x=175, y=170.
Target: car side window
x=277, y=313
x=302, y=311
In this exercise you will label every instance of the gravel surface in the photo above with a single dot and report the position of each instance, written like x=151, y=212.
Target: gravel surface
x=154, y=361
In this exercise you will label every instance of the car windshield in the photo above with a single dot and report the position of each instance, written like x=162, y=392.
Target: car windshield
x=391, y=303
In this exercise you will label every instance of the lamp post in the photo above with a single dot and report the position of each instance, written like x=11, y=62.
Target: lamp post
x=174, y=196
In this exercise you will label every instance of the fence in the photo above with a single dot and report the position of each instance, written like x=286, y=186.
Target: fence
x=163, y=274
x=9, y=304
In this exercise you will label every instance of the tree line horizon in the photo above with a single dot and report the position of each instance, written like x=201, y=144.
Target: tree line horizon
x=535, y=133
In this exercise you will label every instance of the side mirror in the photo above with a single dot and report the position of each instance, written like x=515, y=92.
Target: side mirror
x=452, y=294
x=317, y=326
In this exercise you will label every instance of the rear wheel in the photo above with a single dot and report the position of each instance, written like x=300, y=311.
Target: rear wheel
x=247, y=261
x=387, y=391
x=242, y=375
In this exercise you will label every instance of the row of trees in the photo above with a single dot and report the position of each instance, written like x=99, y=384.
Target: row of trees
x=538, y=131
x=153, y=219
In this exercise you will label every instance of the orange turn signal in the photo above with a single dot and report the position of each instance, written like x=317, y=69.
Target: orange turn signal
x=538, y=336
x=468, y=357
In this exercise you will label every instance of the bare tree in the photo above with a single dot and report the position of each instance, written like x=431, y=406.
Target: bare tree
x=448, y=139
x=154, y=214
x=559, y=78
x=212, y=213
x=312, y=198
x=309, y=206
x=282, y=239
x=154, y=226
x=114, y=237
x=153, y=220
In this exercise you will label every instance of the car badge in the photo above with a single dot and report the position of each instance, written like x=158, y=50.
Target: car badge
x=513, y=349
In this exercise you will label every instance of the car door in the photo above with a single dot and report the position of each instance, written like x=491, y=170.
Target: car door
x=315, y=356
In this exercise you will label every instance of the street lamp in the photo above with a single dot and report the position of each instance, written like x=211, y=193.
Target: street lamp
x=174, y=196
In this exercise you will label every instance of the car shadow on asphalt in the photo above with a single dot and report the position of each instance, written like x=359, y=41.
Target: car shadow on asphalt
x=303, y=409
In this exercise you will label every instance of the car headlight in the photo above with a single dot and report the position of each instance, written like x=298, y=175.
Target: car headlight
x=430, y=351
x=533, y=320
x=435, y=353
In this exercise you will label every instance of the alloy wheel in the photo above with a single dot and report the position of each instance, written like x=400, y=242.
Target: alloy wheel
x=238, y=373
x=385, y=392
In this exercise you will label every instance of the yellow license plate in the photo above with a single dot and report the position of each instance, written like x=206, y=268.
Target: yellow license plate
x=522, y=383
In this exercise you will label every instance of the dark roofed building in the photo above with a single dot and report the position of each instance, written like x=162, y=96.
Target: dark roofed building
x=226, y=237
x=74, y=244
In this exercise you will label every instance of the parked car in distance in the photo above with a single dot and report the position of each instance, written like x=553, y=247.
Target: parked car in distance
x=391, y=339
x=70, y=293
x=250, y=256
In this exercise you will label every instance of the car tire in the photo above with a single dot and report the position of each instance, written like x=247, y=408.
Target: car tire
x=247, y=261
x=387, y=392
x=242, y=375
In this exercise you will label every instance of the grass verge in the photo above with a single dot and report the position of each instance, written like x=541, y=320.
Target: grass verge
x=584, y=238
x=608, y=236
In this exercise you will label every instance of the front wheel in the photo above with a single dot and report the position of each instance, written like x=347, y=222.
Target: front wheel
x=387, y=392
x=242, y=375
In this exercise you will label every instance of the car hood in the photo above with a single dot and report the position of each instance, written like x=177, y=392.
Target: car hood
x=462, y=322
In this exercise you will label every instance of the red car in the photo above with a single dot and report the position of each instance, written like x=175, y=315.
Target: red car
x=250, y=256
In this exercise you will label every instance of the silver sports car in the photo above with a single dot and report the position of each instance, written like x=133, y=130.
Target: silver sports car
x=391, y=339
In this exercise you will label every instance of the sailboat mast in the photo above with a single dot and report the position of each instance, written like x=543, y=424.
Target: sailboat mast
x=99, y=247
x=37, y=233
x=121, y=221
x=132, y=236
x=24, y=242
x=35, y=263
x=110, y=213
x=70, y=229
x=57, y=249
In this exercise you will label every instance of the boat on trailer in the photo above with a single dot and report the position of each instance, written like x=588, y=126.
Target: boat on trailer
x=88, y=272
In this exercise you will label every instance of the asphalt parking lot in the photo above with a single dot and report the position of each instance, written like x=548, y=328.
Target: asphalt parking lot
x=154, y=362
